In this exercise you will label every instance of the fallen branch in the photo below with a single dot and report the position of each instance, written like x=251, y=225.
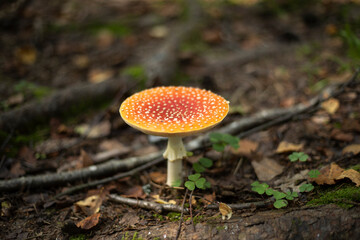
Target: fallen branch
x=147, y=205
x=239, y=206
x=58, y=104
x=95, y=171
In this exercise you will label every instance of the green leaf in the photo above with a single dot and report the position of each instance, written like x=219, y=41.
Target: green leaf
x=206, y=162
x=198, y=167
x=306, y=187
x=215, y=137
x=314, y=173
x=194, y=177
x=260, y=188
x=177, y=183
x=207, y=185
x=303, y=157
x=279, y=195
x=219, y=147
x=190, y=185
x=291, y=195
x=280, y=203
x=189, y=154
x=294, y=157
x=200, y=183
x=231, y=140
x=269, y=191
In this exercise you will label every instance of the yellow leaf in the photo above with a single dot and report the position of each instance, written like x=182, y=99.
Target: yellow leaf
x=225, y=211
x=90, y=205
x=289, y=147
x=352, y=174
x=353, y=148
x=329, y=174
x=89, y=222
x=331, y=105
x=26, y=55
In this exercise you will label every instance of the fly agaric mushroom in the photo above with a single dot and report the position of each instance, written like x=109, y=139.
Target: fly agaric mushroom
x=174, y=112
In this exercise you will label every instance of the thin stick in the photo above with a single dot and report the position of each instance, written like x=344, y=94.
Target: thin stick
x=147, y=205
x=182, y=215
x=190, y=206
x=238, y=165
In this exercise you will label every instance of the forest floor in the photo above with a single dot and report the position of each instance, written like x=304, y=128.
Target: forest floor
x=259, y=55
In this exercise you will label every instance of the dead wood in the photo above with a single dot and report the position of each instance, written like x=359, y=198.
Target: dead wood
x=59, y=104
x=63, y=178
x=161, y=66
x=147, y=205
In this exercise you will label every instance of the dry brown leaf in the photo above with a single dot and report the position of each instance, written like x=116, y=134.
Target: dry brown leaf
x=100, y=75
x=129, y=219
x=247, y=148
x=159, y=31
x=158, y=177
x=26, y=55
x=328, y=174
x=266, y=169
x=110, y=144
x=85, y=159
x=352, y=174
x=99, y=130
x=90, y=205
x=353, y=148
x=289, y=147
x=339, y=135
x=225, y=211
x=208, y=199
x=159, y=200
x=15, y=99
x=331, y=105
x=134, y=192
x=17, y=170
x=89, y=222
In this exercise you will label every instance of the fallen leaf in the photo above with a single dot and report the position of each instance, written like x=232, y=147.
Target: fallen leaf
x=15, y=99
x=129, y=219
x=161, y=201
x=100, y=75
x=112, y=144
x=99, y=130
x=85, y=159
x=159, y=32
x=81, y=61
x=331, y=105
x=208, y=199
x=293, y=184
x=28, y=155
x=134, y=192
x=55, y=145
x=89, y=222
x=247, y=148
x=352, y=174
x=225, y=211
x=158, y=177
x=90, y=205
x=17, y=170
x=339, y=135
x=288, y=147
x=353, y=148
x=266, y=169
x=328, y=174
x=146, y=150
x=27, y=55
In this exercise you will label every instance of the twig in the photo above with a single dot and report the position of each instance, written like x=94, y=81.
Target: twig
x=240, y=206
x=190, y=206
x=238, y=165
x=146, y=204
x=182, y=215
x=53, y=179
x=109, y=179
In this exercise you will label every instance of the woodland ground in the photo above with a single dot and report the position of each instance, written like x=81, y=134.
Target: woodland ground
x=259, y=55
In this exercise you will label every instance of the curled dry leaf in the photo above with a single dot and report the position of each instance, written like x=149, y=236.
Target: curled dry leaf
x=328, y=174
x=331, y=105
x=159, y=200
x=89, y=222
x=158, y=177
x=352, y=174
x=225, y=211
x=134, y=192
x=288, y=147
x=90, y=205
x=353, y=148
x=85, y=159
x=266, y=169
x=247, y=148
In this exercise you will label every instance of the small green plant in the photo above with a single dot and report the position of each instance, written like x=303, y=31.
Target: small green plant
x=280, y=200
x=298, y=156
x=78, y=237
x=352, y=42
x=28, y=88
x=137, y=72
x=202, y=165
x=196, y=181
x=174, y=216
x=306, y=187
x=314, y=173
x=221, y=140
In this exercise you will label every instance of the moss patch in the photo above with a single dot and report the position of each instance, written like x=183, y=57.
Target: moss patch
x=344, y=197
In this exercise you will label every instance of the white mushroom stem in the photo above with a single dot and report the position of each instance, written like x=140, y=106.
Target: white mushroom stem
x=174, y=153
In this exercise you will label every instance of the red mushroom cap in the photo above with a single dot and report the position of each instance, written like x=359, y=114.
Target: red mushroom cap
x=174, y=111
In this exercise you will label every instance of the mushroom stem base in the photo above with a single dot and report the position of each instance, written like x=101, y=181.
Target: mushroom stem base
x=174, y=172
